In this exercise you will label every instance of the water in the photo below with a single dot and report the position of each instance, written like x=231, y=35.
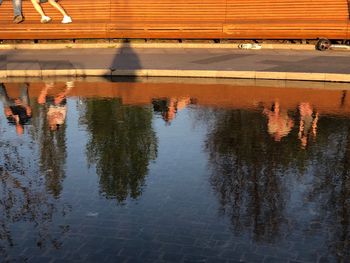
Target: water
x=174, y=171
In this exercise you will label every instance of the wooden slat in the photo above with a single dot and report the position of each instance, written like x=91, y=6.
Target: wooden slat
x=279, y=19
x=287, y=9
x=169, y=10
x=256, y=19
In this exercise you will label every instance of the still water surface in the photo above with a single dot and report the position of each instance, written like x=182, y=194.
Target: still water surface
x=160, y=172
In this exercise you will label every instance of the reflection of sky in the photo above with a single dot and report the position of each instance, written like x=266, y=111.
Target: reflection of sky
x=81, y=182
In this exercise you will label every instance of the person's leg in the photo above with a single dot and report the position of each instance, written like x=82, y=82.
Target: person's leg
x=58, y=7
x=66, y=17
x=4, y=97
x=37, y=7
x=17, y=10
x=24, y=96
x=17, y=7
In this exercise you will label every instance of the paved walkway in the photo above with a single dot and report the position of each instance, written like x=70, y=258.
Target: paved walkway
x=181, y=62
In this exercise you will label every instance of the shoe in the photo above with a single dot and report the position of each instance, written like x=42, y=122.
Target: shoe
x=66, y=20
x=18, y=19
x=69, y=84
x=45, y=19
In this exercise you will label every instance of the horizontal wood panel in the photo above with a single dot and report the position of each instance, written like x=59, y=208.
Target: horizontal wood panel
x=269, y=19
x=287, y=9
x=180, y=10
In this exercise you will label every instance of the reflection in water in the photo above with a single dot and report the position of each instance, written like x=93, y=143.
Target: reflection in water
x=16, y=110
x=122, y=143
x=257, y=179
x=331, y=184
x=308, y=123
x=25, y=206
x=48, y=120
x=245, y=164
x=282, y=191
x=168, y=108
x=55, y=104
x=279, y=123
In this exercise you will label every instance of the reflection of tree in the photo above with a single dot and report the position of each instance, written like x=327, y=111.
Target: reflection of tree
x=251, y=171
x=244, y=163
x=333, y=185
x=122, y=142
x=23, y=199
x=27, y=200
x=52, y=149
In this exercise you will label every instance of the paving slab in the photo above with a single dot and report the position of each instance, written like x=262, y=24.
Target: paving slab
x=175, y=62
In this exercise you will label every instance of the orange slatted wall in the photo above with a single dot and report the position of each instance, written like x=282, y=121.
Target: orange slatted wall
x=252, y=19
x=287, y=18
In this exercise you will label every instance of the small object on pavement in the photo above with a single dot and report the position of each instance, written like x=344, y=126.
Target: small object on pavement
x=323, y=44
x=340, y=47
x=249, y=46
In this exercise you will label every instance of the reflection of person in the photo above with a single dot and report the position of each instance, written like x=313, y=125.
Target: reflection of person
x=17, y=10
x=57, y=108
x=44, y=18
x=279, y=123
x=17, y=110
x=170, y=107
x=308, y=123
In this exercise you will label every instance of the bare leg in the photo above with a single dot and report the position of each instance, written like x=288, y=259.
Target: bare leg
x=38, y=7
x=58, y=7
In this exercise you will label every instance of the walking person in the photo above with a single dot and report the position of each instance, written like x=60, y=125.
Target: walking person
x=44, y=18
x=17, y=10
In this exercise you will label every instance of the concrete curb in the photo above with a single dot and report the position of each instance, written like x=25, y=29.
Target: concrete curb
x=300, y=76
x=150, y=45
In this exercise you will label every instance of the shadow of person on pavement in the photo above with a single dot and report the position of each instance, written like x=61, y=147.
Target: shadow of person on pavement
x=125, y=63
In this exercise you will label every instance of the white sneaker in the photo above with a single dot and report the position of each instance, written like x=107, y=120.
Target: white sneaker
x=69, y=84
x=66, y=20
x=45, y=19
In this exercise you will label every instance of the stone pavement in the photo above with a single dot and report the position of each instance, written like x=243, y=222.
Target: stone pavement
x=178, y=62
